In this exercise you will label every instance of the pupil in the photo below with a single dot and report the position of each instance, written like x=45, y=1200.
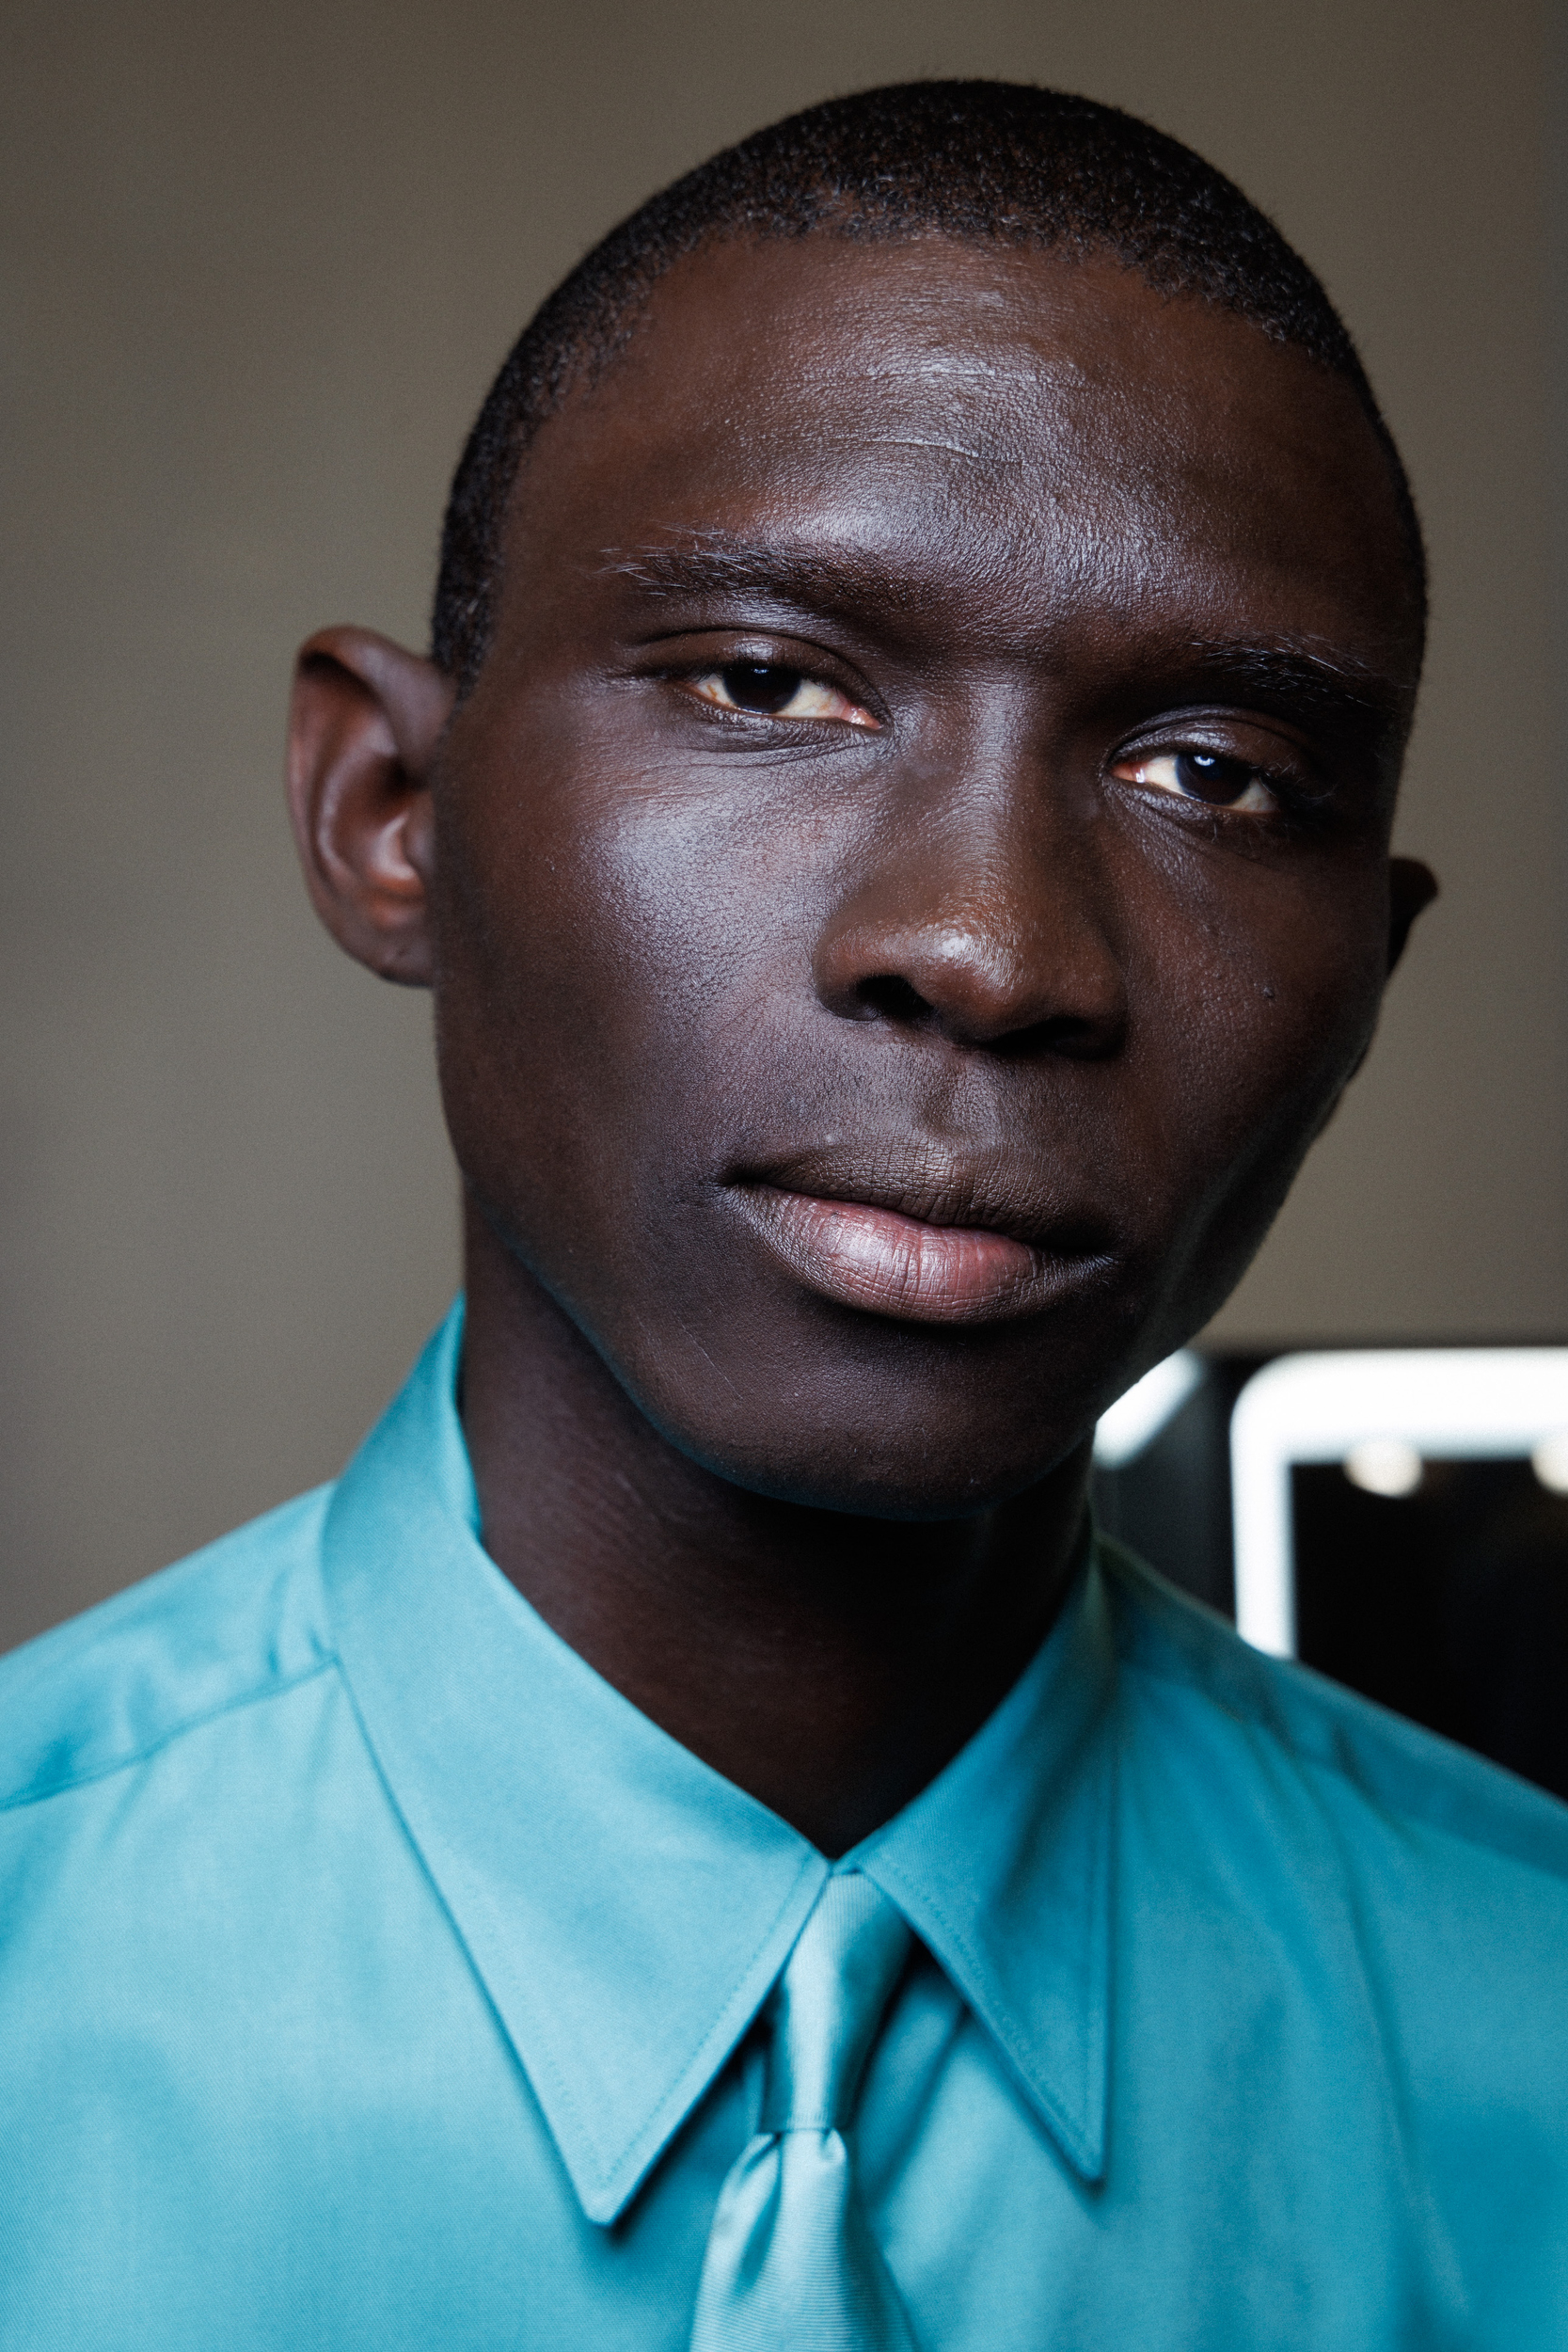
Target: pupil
x=1208, y=777
x=759, y=686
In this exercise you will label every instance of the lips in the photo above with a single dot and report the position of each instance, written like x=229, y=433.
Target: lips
x=949, y=1246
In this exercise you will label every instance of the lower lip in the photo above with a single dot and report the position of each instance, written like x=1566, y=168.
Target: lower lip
x=890, y=1264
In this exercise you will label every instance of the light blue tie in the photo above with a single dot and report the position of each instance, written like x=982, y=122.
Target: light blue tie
x=791, y=2265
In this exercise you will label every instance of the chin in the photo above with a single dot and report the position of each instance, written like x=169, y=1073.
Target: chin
x=893, y=1467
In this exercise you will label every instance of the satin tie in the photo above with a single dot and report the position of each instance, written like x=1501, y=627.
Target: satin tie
x=791, y=2265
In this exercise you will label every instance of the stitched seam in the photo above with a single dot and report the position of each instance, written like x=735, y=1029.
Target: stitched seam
x=155, y=1747
x=1000, y=2023
x=474, y=1889
x=714, y=2033
x=1002, y=2026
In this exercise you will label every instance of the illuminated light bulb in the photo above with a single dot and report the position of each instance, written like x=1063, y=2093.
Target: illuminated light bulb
x=1384, y=1465
x=1550, y=1461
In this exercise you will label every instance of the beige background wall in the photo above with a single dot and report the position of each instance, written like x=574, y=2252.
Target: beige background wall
x=258, y=265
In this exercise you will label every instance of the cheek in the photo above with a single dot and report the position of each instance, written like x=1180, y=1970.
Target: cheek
x=1259, y=1022
x=1269, y=957
x=523, y=1009
x=604, y=965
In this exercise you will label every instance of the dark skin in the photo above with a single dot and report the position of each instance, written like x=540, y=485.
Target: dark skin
x=908, y=885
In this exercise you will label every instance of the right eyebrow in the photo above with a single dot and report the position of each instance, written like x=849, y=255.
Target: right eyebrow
x=802, y=574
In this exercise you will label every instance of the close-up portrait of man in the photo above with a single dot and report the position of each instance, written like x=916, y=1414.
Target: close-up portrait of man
x=698, y=1840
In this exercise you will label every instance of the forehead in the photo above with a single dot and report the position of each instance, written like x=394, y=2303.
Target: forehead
x=1023, y=432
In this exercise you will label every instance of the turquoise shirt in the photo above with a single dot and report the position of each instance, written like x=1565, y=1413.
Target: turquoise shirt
x=372, y=1975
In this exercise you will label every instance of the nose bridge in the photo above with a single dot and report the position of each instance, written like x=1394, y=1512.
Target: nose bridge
x=979, y=909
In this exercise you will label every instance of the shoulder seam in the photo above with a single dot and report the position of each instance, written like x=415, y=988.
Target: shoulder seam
x=1261, y=1720
x=35, y=1795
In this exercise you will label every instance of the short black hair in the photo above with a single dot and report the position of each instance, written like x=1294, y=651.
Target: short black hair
x=984, y=161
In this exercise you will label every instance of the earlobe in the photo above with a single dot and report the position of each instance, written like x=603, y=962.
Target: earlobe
x=1412, y=886
x=364, y=723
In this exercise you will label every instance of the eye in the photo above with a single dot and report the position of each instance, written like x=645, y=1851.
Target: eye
x=1206, y=776
x=771, y=691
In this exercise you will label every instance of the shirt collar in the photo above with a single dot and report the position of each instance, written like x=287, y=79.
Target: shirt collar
x=627, y=1907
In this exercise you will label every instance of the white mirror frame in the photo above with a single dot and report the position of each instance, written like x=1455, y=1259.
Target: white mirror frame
x=1451, y=1403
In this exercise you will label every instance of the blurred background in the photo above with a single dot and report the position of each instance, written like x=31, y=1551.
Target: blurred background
x=257, y=268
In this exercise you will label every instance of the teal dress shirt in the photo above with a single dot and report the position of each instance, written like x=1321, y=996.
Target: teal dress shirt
x=372, y=1975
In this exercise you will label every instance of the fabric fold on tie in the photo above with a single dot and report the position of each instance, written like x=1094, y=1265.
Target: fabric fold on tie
x=791, y=2265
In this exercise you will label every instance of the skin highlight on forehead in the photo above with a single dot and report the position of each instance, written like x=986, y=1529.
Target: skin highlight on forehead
x=1000, y=168
x=1136, y=431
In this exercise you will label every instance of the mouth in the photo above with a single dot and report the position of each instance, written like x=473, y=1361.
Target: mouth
x=938, y=1251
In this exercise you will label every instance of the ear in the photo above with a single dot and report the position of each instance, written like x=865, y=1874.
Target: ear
x=364, y=722
x=1412, y=886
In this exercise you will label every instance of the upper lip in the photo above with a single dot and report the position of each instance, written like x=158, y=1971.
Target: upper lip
x=998, y=1192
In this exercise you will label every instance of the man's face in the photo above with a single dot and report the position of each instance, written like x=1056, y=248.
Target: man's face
x=911, y=877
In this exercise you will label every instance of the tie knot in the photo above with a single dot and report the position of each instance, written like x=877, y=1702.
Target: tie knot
x=828, y=2002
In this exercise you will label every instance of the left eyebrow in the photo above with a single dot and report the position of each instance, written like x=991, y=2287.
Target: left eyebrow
x=1294, y=674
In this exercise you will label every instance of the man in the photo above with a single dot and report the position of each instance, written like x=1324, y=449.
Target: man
x=690, y=1842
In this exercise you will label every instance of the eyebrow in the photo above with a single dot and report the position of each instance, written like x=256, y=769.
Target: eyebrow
x=712, y=563
x=1299, y=673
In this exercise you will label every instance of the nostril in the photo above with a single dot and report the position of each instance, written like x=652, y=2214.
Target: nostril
x=891, y=996
x=1066, y=1036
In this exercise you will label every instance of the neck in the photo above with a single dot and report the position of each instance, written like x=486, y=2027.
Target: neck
x=829, y=1664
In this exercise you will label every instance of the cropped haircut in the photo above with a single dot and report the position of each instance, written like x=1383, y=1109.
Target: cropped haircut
x=987, y=162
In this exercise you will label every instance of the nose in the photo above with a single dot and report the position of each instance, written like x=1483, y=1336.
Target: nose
x=984, y=936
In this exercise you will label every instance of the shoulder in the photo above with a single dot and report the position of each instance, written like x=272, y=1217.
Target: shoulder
x=1373, y=1771
x=1372, y=1924
x=237, y=1623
